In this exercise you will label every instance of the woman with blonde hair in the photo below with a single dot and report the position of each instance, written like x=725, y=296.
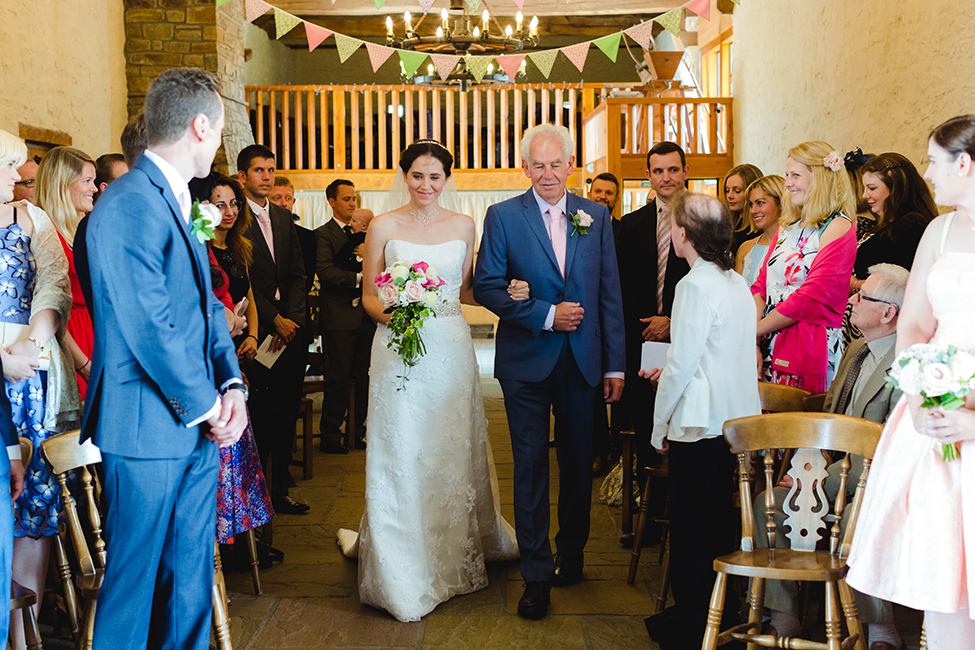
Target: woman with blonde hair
x=35, y=295
x=65, y=191
x=764, y=200
x=733, y=196
x=802, y=288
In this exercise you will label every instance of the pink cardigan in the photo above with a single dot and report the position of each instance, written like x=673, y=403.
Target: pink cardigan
x=818, y=303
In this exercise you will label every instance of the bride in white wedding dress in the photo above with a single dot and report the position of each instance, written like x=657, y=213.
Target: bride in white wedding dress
x=432, y=517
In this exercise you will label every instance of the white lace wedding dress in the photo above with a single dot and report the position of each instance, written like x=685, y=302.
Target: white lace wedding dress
x=431, y=517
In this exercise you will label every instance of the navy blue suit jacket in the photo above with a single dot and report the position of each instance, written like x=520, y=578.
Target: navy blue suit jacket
x=516, y=244
x=161, y=342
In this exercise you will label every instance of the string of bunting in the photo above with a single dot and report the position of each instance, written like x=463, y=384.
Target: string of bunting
x=444, y=64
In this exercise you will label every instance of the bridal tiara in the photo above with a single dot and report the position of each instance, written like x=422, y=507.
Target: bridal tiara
x=429, y=141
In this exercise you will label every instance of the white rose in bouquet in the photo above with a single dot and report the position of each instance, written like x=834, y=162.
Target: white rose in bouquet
x=936, y=380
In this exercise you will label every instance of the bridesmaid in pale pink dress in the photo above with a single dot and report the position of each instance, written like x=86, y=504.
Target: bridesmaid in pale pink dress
x=918, y=520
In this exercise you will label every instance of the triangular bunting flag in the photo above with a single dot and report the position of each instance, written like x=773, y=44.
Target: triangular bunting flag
x=315, y=35
x=577, y=54
x=425, y=5
x=701, y=7
x=670, y=21
x=641, y=33
x=411, y=61
x=610, y=45
x=477, y=66
x=284, y=22
x=544, y=61
x=254, y=9
x=378, y=55
x=510, y=64
x=445, y=64
x=221, y=3
x=472, y=6
x=737, y=2
x=346, y=45
x=520, y=4
x=379, y=3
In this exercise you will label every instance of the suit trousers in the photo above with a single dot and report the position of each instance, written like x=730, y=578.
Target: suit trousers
x=528, y=406
x=275, y=397
x=349, y=353
x=702, y=524
x=160, y=526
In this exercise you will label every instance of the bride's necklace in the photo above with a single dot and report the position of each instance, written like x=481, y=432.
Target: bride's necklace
x=424, y=217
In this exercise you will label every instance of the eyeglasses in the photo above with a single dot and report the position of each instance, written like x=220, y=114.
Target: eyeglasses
x=27, y=183
x=859, y=294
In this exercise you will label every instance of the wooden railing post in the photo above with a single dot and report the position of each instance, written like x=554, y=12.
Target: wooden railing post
x=338, y=120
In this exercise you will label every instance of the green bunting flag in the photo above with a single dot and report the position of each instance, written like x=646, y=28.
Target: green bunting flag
x=544, y=61
x=346, y=45
x=411, y=61
x=609, y=45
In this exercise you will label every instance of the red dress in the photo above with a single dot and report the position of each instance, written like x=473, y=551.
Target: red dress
x=79, y=323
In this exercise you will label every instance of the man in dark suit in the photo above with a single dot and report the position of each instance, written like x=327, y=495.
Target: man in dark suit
x=278, y=280
x=346, y=329
x=164, y=385
x=552, y=350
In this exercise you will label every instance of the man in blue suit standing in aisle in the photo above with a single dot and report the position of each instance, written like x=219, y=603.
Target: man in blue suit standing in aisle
x=165, y=388
x=552, y=350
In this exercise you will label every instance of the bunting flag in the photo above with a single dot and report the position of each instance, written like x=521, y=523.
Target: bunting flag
x=577, y=54
x=510, y=64
x=425, y=5
x=411, y=61
x=641, y=33
x=609, y=45
x=737, y=2
x=315, y=35
x=701, y=7
x=670, y=21
x=544, y=60
x=378, y=55
x=379, y=3
x=254, y=9
x=284, y=22
x=221, y=3
x=472, y=6
x=477, y=66
x=445, y=64
x=346, y=45
x=520, y=4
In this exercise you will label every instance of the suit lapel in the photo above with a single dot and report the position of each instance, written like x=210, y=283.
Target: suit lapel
x=281, y=237
x=571, y=243
x=875, y=383
x=535, y=221
x=258, y=239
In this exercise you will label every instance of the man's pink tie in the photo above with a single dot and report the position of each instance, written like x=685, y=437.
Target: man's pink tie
x=556, y=230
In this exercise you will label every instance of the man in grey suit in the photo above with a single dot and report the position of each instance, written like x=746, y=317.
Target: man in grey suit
x=860, y=390
x=346, y=329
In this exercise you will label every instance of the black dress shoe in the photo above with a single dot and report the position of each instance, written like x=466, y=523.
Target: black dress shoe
x=534, y=602
x=663, y=624
x=334, y=448
x=360, y=443
x=568, y=570
x=288, y=506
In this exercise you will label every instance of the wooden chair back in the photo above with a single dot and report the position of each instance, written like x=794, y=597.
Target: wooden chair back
x=776, y=398
x=806, y=506
x=26, y=451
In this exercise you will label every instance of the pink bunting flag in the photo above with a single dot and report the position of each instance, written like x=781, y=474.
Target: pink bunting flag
x=520, y=4
x=425, y=5
x=701, y=7
x=378, y=55
x=641, y=33
x=254, y=9
x=510, y=64
x=315, y=35
x=445, y=64
x=577, y=54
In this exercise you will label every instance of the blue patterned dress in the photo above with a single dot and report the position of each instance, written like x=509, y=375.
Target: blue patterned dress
x=36, y=511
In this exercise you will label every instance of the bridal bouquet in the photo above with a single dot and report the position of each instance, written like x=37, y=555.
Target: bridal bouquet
x=409, y=291
x=943, y=376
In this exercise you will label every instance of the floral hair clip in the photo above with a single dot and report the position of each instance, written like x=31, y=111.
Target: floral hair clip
x=833, y=162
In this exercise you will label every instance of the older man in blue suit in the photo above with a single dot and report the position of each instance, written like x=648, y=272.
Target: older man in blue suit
x=552, y=350
x=165, y=388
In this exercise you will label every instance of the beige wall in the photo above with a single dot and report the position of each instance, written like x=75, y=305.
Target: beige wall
x=63, y=68
x=870, y=73
x=271, y=63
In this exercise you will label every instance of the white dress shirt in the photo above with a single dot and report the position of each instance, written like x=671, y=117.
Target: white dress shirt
x=710, y=375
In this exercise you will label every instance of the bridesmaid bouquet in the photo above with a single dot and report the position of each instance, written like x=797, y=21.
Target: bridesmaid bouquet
x=943, y=376
x=409, y=291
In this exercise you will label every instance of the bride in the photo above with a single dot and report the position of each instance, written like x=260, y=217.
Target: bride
x=432, y=516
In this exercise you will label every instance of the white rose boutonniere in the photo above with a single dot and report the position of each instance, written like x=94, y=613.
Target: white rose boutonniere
x=580, y=221
x=204, y=218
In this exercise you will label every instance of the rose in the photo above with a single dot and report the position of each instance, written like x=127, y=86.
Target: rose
x=962, y=366
x=383, y=278
x=936, y=379
x=211, y=214
x=388, y=294
x=420, y=267
x=430, y=298
x=399, y=272
x=431, y=272
x=833, y=162
x=909, y=377
x=584, y=219
x=430, y=283
x=414, y=292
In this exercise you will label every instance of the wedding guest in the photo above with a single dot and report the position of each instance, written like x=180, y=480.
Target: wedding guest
x=277, y=275
x=914, y=536
x=764, y=198
x=35, y=305
x=735, y=199
x=802, y=288
x=108, y=167
x=12, y=476
x=605, y=189
x=24, y=188
x=134, y=138
x=854, y=162
x=709, y=371
x=349, y=257
x=65, y=190
x=283, y=194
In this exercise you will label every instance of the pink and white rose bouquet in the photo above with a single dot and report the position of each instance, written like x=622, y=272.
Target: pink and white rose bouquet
x=943, y=375
x=409, y=290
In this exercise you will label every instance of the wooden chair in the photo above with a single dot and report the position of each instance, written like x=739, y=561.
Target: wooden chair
x=809, y=434
x=21, y=597
x=776, y=398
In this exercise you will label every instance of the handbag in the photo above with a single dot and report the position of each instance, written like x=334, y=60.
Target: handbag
x=11, y=333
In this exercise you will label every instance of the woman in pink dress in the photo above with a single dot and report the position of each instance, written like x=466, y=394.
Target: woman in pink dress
x=918, y=519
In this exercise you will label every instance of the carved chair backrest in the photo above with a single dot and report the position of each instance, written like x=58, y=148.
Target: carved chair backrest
x=776, y=398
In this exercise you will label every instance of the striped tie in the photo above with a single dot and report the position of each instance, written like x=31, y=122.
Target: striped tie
x=663, y=252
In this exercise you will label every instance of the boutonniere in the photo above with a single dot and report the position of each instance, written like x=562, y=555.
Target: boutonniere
x=205, y=218
x=580, y=221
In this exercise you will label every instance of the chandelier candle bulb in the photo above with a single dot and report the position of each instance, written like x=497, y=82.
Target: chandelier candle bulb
x=533, y=26
x=508, y=31
x=519, y=19
x=389, y=25
x=485, y=17
x=477, y=32
x=409, y=26
x=439, y=32
x=443, y=19
x=430, y=69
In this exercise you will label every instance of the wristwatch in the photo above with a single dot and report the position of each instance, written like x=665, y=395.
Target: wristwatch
x=238, y=385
